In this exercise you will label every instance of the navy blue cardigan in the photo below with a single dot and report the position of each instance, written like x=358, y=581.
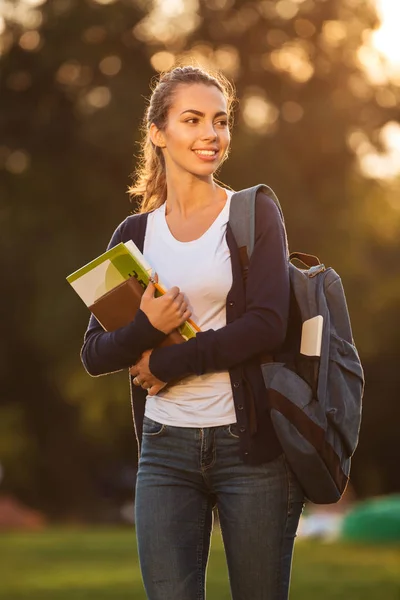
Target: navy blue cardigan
x=257, y=316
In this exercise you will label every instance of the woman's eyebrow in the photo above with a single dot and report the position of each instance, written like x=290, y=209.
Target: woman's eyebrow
x=201, y=114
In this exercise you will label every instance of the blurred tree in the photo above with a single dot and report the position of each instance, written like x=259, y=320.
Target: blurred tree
x=67, y=126
x=74, y=77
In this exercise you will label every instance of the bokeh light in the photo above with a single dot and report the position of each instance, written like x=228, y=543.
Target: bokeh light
x=98, y=97
x=304, y=28
x=168, y=21
x=259, y=114
x=386, y=98
x=379, y=165
x=110, y=65
x=17, y=162
x=226, y=58
x=286, y=9
x=292, y=112
x=162, y=61
x=33, y=2
x=30, y=40
x=386, y=37
x=333, y=32
x=104, y=2
x=293, y=59
x=94, y=35
x=384, y=165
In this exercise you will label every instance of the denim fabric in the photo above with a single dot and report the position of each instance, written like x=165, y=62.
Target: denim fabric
x=183, y=473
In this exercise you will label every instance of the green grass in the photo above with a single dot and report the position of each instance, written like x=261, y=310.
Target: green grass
x=101, y=564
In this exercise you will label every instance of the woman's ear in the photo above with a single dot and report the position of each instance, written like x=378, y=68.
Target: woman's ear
x=157, y=136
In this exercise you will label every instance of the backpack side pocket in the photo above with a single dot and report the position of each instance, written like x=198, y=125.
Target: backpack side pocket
x=345, y=391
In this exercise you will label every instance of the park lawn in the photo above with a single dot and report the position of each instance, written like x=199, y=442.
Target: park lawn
x=101, y=564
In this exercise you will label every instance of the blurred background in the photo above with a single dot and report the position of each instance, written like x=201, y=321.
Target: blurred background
x=318, y=120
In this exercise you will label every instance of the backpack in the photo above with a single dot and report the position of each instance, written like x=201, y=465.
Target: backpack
x=314, y=401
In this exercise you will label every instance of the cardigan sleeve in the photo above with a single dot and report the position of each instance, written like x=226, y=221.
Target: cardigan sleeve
x=261, y=328
x=109, y=351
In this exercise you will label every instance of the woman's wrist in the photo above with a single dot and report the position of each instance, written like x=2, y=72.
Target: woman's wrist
x=151, y=334
x=167, y=364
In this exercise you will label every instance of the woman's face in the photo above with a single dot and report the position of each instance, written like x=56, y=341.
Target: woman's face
x=196, y=136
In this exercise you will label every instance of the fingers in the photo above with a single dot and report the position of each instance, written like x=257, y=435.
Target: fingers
x=172, y=292
x=176, y=297
x=143, y=383
x=150, y=290
x=165, y=312
x=179, y=302
x=154, y=389
x=186, y=315
x=151, y=389
x=146, y=380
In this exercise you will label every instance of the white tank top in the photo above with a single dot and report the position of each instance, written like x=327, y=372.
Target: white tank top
x=202, y=270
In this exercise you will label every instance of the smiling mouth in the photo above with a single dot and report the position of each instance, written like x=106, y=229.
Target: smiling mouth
x=205, y=152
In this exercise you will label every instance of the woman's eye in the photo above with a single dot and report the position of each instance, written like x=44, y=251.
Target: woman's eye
x=222, y=123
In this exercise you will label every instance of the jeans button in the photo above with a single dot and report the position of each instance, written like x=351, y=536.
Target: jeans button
x=236, y=384
x=231, y=303
x=240, y=406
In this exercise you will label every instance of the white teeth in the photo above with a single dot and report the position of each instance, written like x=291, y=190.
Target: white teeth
x=206, y=152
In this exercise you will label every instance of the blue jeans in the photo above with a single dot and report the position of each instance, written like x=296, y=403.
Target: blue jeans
x=183, y=473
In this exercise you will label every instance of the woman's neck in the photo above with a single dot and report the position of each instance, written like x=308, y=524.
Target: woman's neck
x=191, y=194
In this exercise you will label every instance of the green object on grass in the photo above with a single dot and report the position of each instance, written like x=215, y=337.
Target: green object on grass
x=374, y=521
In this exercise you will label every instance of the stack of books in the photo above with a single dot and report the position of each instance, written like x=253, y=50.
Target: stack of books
x=112, y=285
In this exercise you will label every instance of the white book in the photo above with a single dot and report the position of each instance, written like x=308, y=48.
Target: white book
x=311, y=336
x=134, y=250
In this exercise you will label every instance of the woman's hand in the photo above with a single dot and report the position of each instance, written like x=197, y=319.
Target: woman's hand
x=166, y=312
x=143, y=376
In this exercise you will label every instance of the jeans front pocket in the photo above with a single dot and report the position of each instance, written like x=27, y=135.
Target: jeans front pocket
x=152, y=428
x=233, y=430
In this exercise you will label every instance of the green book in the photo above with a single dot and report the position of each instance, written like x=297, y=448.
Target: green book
x=108, y=271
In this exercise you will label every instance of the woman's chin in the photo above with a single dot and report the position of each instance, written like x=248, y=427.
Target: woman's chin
x=201, y=171
x=205, y=170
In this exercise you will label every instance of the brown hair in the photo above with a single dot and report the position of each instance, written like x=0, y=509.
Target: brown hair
x=149, y=177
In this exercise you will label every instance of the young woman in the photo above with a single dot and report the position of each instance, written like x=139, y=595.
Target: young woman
x=201, y=411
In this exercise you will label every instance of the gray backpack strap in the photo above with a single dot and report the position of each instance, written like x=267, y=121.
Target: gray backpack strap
x=242, y=216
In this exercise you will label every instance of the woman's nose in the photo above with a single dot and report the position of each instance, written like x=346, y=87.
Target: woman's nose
x=209, y=131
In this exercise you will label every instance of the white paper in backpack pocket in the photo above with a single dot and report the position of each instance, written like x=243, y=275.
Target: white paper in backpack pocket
x=311, y=336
